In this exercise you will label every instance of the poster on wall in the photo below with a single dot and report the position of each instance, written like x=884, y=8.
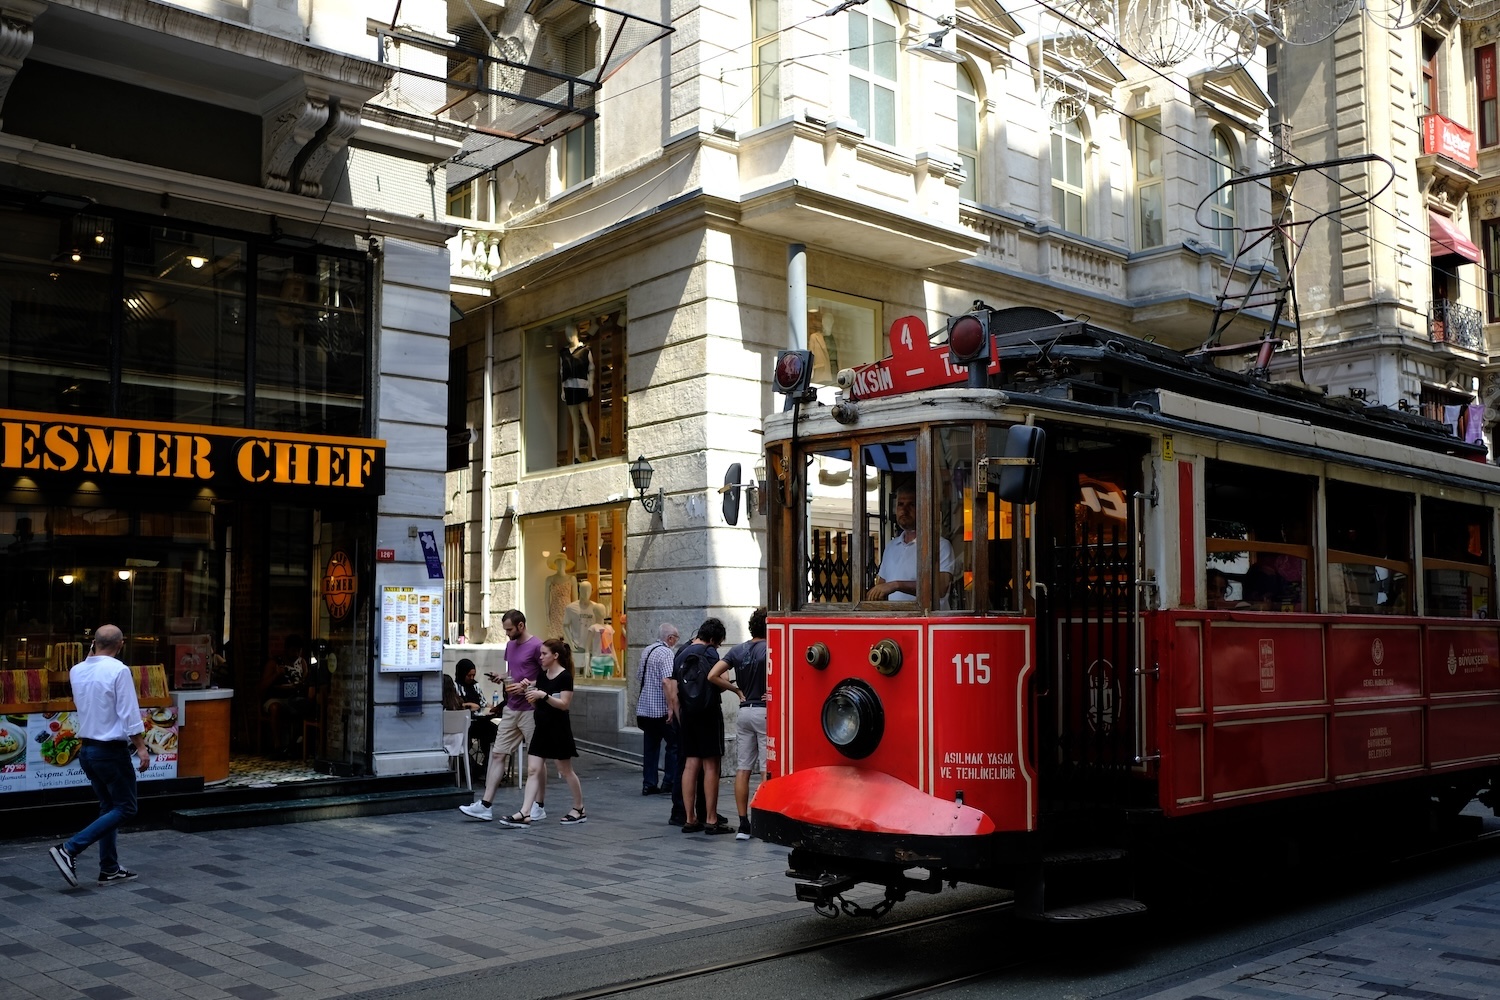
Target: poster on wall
x=50, y=754
x=411, y=623
x=13, y=742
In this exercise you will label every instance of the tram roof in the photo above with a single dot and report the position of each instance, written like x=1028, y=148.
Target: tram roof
x=1081, y=369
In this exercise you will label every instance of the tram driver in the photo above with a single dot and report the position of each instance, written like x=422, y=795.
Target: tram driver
x=896, y=580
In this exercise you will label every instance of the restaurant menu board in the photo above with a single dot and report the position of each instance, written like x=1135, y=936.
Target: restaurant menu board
x=40, y=750
x=411, y=628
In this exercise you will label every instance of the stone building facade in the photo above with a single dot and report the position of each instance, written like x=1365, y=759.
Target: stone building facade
x=1007, y=159
x=1396, y=285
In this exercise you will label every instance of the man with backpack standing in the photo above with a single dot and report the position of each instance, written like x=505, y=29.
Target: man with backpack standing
x=748, y=661
x=651, y=710
x=694, y=699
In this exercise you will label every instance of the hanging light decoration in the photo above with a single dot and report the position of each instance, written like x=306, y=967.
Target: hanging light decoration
x=1307, y=22
x=1065, y=97
x=1162, y=33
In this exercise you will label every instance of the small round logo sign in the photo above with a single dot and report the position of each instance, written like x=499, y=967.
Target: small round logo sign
x=338, y=585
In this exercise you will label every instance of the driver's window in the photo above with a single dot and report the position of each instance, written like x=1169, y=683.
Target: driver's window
x=953, y=492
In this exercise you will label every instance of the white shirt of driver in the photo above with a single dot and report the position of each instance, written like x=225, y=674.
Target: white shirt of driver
x=899, y=562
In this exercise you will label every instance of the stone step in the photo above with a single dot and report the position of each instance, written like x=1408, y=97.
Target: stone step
x=306, y=810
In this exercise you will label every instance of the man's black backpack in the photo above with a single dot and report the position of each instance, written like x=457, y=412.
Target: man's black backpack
x=695, y=693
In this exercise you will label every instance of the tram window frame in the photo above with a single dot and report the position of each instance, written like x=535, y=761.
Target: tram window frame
x=1231, y=500
x=1370, y=553
x=1450, y=531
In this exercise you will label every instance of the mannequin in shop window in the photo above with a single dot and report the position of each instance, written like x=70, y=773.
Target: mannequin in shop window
x=576, y=369
x=579, y=619
x=561, y=590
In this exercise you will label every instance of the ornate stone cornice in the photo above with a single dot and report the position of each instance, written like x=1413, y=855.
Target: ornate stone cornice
x=15, y=39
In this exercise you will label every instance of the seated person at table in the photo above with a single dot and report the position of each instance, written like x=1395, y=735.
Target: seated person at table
x=896, y=580
x=1274, y=583
x=461, y=692
x=285, y=689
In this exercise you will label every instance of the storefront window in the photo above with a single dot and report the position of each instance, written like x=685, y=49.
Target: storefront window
x=54, y=314
x=70, y=569
x=575, y=586
x=177, y=298
x=842, y=332
x=183, y=344
x=310, y=351
x=574, y=389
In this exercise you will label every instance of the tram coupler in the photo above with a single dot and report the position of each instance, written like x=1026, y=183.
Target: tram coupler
x=823, y=889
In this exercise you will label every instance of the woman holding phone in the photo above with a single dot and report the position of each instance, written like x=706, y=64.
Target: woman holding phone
x=551, y=697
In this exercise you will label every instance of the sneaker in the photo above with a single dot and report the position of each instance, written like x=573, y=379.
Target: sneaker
x=64, y=862
x=110, y=878
x=743, y=834
x=537, y=812
x=478, y=810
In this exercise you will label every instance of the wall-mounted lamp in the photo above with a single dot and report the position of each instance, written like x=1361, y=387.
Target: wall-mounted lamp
x=123, y=574
x=67, y=579
x=640, y=478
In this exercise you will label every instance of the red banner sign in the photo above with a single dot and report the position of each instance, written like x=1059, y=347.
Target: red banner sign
x=1450, y=139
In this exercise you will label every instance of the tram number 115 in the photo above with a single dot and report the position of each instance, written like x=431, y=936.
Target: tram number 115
x=971, y=668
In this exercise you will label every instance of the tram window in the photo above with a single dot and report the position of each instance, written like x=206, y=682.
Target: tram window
x=829, y=528
x=1369, y=550
x=1456, y=578
x=1259, y=536
x=953, y=491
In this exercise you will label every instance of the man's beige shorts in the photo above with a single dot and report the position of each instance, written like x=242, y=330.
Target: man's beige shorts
x=513, y=729
x=750, y=738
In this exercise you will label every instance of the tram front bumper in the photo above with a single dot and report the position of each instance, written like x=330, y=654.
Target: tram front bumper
x=869, y=816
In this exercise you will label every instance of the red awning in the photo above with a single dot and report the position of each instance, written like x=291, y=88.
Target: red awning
x=1448, y=240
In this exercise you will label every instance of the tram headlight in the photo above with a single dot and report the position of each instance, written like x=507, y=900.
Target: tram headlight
x=853, y=720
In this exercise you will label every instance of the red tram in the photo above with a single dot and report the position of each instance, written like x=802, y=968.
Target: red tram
x=1136, y=589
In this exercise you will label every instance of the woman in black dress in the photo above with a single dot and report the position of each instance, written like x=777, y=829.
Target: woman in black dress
x=551, y=697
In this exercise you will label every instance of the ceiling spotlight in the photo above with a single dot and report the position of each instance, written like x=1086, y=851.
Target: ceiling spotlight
x=123, y=574
x=98, y=237
x=75, y=256
x=196, y=261
x=67, y=579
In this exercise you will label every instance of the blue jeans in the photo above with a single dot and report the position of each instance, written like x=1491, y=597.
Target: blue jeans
x=111, y=770
x=655, y=733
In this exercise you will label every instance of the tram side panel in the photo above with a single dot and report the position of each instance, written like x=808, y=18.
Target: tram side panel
x=1253, y=707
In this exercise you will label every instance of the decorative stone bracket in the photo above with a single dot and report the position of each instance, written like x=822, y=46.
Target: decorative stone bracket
x=302, y=135
x=15, y=39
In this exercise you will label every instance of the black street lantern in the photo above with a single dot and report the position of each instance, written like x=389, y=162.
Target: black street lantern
x=640, y=477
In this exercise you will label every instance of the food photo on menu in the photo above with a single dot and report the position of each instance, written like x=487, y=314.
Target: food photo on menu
x=52, y=751
x=13, y=730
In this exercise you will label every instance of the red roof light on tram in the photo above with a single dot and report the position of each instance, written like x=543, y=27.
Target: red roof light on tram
x=969, y=337
x=793, y=372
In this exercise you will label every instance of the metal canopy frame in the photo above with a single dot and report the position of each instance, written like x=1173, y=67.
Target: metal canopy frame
x=510, y=107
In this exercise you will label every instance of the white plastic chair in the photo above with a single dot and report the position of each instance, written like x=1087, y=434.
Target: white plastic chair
x=456, y=745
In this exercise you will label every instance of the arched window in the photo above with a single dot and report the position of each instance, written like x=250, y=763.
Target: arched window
x=968, y=134
x=872, y=69
x=765, y=57
x=1223, y=216
x=1068, y=176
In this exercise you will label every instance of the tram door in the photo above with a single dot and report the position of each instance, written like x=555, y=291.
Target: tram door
x=1086, y=525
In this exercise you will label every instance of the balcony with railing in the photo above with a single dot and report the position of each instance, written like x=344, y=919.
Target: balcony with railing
x=1458, y=325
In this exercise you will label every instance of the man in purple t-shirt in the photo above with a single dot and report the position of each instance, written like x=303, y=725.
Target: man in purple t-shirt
x=523, y=664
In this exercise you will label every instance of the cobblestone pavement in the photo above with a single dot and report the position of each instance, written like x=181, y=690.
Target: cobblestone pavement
x=345, y=907
x=1442, y=949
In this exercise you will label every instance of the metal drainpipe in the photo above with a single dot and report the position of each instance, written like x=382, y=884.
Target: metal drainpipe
x=486, y=501
x=796, y=296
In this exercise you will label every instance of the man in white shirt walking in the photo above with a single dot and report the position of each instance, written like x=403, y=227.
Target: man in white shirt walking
x=108, y=721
